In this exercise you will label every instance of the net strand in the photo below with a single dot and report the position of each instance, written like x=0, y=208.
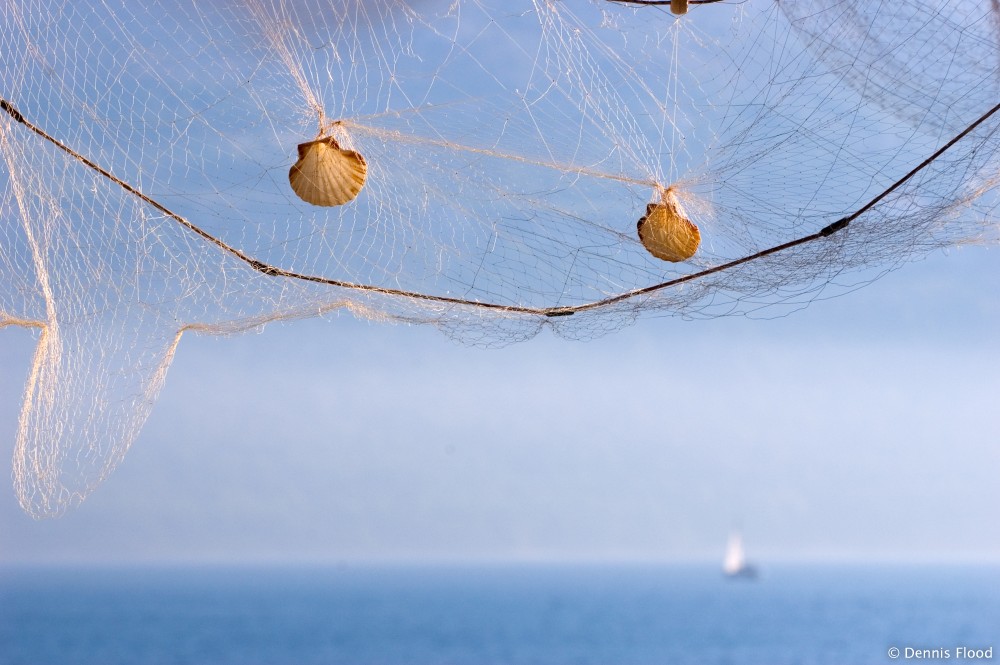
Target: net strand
x=510, y=147
x=275, y=271
x=656, y=3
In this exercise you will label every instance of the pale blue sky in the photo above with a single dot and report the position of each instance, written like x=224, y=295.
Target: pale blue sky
x=860, y=428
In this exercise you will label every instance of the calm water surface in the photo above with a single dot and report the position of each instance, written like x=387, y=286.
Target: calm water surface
x=493, y=615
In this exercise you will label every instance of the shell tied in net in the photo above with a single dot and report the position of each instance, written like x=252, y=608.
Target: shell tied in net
x=666, y=232
x=326, y=174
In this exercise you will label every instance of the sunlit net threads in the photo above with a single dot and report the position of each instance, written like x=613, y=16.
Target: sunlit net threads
x=858, y=42
x=666, y=231
x=508, y=147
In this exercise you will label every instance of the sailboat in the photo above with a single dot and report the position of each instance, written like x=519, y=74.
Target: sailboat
x=735, y=564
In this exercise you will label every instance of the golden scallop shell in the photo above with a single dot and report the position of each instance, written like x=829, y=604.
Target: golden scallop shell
x=667, y=232
x=326, y=174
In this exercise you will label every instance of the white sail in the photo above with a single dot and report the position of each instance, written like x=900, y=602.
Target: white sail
x=735, y=561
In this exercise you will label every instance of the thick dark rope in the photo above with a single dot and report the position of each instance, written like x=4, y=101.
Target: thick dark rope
x=662, y=2
x=514, y=309
x=259, y=266
x=823, y=233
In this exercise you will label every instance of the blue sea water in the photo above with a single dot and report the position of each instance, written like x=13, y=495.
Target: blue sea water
x=494, y=615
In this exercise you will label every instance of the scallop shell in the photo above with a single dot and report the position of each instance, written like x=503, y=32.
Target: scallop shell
x=667, y=232
x=327, y=175
x=679, y=6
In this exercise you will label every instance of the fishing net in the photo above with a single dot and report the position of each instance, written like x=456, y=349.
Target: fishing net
x=490, y=167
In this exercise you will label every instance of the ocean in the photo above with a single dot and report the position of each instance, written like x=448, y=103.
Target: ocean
x=495, y=615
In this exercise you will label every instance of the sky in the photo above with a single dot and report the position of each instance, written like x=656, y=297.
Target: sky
x=862, y=428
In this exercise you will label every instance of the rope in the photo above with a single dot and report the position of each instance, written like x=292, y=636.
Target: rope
x=274, y=271
x=662, y=2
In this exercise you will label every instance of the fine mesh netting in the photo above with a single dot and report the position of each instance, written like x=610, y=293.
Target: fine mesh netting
x=498, y=157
